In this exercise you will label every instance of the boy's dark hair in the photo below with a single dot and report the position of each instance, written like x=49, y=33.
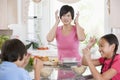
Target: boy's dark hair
x=111, y=39
x=65, y=9
x=12, y=50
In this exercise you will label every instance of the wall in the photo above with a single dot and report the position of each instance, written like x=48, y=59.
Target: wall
x=115, y=13
x=115, y=18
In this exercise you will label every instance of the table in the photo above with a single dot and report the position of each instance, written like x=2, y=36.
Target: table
x=60, y=73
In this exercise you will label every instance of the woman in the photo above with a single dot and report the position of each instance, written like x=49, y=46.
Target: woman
x=67, y=35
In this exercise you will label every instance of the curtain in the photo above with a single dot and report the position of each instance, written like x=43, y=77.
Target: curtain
x=3, y=14
x=8, y=15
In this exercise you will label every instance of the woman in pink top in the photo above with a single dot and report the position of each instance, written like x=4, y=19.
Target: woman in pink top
x=67, y=35
x=110, y=61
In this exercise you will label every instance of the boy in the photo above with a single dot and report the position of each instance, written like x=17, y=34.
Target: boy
x=14, y=58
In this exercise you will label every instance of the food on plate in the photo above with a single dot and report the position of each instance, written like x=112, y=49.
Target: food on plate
x=79, y=70
x=55, y=61
x=46, y=72
x=42, y=58
x=43, y=48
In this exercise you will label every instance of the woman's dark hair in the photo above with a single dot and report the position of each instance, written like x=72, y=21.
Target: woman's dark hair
x=65, y=9
x=111, y=39
x=12, y=50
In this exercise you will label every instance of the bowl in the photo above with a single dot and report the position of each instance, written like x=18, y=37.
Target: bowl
x=68, y=60
x=46, y=72
x=79, y=70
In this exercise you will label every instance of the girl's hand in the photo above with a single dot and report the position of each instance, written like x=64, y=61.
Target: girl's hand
x=91, y=42
x=86, y=53
x=57, y=17
x=76, y=19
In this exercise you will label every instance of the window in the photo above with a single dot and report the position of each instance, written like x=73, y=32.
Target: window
x=31, y=14
x=34, y=20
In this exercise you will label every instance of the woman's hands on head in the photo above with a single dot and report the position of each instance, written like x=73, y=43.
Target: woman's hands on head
x=57, y=17
x=76, y=18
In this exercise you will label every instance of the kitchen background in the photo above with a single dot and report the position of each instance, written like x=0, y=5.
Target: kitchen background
x=31, y=20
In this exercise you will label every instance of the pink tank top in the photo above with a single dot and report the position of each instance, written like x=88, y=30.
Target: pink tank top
x=68, y=45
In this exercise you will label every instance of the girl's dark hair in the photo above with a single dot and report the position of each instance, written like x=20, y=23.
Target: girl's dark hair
x=12, y=50
x=111, y=39
x=65, y=9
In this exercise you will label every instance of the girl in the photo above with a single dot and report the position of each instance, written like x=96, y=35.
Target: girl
x=110, y=60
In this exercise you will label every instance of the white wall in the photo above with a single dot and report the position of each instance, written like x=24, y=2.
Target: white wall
x=107, y=28
x=115, y=13
x=19, y=31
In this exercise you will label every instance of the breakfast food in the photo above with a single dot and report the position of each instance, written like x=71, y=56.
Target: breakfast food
x=43, y=48
x=79, y=70
x=42, y=58
x=55, y=61
x=46, y=72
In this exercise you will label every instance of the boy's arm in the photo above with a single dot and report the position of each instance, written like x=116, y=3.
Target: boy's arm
x=26, y=60
x=38, y=65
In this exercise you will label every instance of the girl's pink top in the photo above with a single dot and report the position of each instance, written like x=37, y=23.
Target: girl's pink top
x=68, y=45
x=115, y=65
